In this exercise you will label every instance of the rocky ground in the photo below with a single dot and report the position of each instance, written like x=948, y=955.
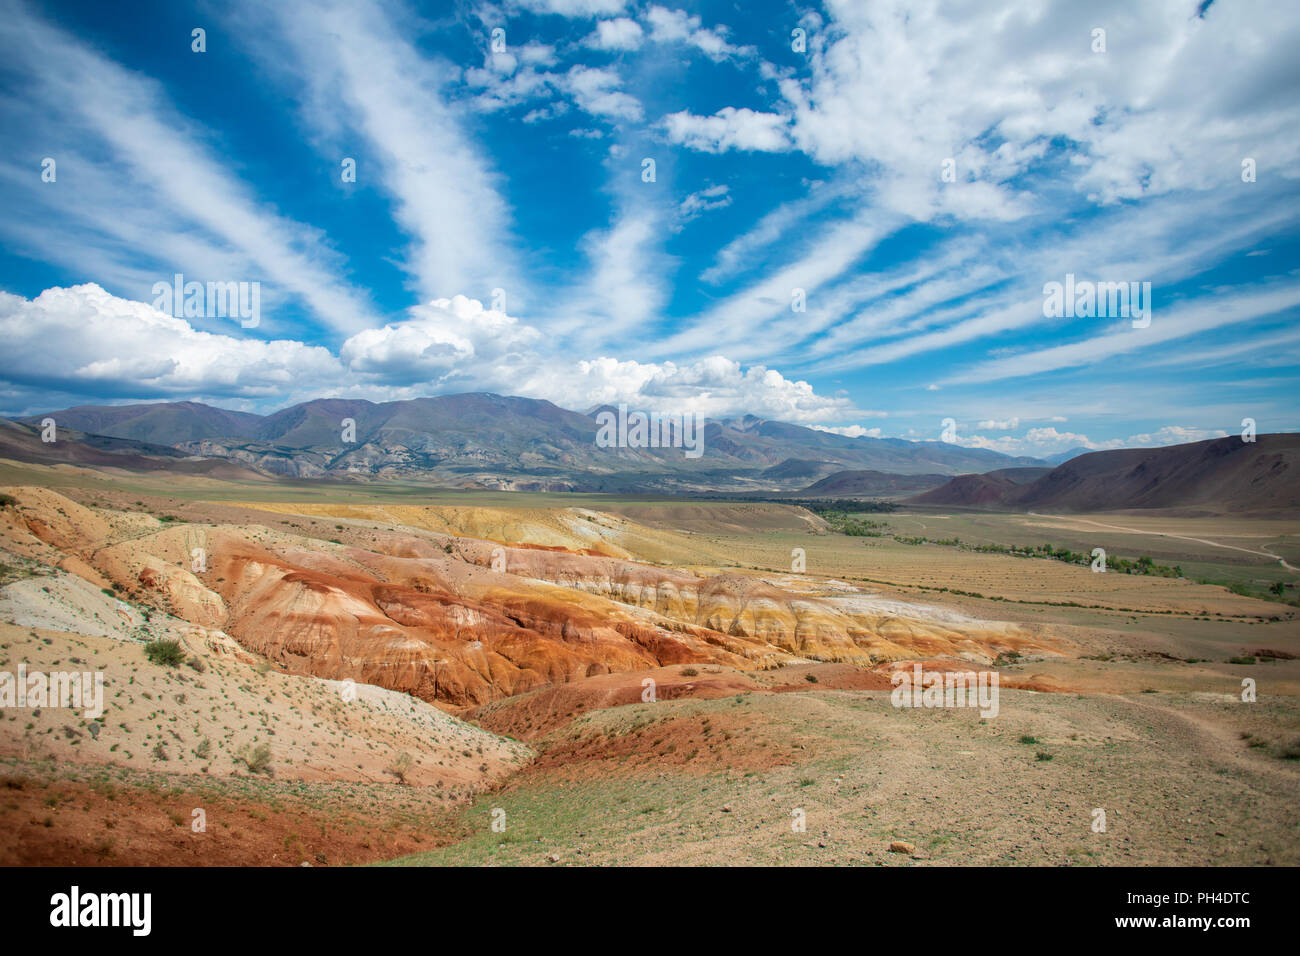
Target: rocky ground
x=1199, y=779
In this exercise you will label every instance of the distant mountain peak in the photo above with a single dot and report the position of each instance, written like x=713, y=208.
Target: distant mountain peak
x=482, y=438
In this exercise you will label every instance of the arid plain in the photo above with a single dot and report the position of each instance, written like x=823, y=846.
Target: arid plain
x=496, y=647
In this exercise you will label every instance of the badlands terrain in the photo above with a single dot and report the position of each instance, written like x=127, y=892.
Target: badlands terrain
x=386, y=672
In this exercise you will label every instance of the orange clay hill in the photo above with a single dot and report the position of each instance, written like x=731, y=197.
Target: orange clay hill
x=460, y=621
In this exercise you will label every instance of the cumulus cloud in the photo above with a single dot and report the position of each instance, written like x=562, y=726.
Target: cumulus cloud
x=729, y=128
x=81, y=339
x=114, y=348
x=715, y=387
x=437, y=339
x=619, y=34
x=596, y=91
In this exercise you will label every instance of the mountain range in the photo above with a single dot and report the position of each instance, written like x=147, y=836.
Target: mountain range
x=494, y=441
x=483, y=440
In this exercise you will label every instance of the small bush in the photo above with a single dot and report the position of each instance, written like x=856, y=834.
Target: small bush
x=1027, y=739
x=689, y=672
x=810, y=678
x=1042, y=755
x=165, y=653
x=256, y=759
x=401, y=766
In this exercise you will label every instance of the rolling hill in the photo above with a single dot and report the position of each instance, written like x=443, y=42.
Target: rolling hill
x=868, y=484
x=1221, y=475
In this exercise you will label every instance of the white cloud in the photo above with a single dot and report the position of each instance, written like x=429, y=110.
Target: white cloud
x=1200, y=315
x=141, y=185
x=850, y=431
x=436, y=340
x=1006, y=425
x=900, y=88
x=741, y=252
x=741, y=320
x=358, y=69
x=1174, y=435
x=619, y=34
x=715, y=386
x=81, y=339
x=1040, y=442
x=576, y=9
x=112, y=347
x=553, y=111
x=677, y=26
x=729, y=128
x=596, y=91
x=698, y=203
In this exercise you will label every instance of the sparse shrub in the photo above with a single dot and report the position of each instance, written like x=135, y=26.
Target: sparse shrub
x=1043, y=755
x=689, y=672
x=810, y=678
x=256, y=759
x=165, y=653
x=1028, y=739
x=401, y=766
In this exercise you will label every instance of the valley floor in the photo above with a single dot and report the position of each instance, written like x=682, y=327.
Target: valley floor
x=522, y=680
x=1182, y=780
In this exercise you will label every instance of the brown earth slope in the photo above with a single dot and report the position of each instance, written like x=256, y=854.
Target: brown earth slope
x=1222, y=475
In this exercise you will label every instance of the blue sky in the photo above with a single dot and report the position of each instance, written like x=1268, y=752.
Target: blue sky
x=920, y=171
